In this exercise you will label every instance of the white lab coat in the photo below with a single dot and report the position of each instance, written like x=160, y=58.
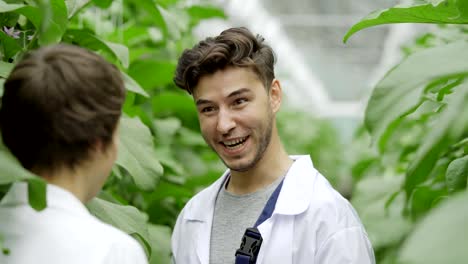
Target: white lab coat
x=311, y=223
x=64, y=232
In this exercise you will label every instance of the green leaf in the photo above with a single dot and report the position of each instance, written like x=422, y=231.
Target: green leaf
x=177, y=22
x=448, y=129
x=88, y=40
x=74, y=6
x=384, y=226
x=423, y=197
x=151, y=8
x=152, y=73
x=126, y=218
x=190, y=138
x=400, y=90
x=161, y=244
x=5, y=68
x=37, y=189
x=198, y=13
x=180, y=105
x=12, y=170
x=103, y=3
x=441, y=236
x=166, y=158
x=54, y=21
x=10, y=46
x=5, y=7
x=133, y=86
x=33, y=14
x=457, y=173
x=439, y=12
x=8, y=19
x=136, y=153
x=166, y=129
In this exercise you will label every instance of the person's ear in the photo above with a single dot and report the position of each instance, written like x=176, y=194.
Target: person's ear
x=275, y=95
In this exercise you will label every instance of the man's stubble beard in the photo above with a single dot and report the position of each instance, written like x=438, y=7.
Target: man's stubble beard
x=260, y=151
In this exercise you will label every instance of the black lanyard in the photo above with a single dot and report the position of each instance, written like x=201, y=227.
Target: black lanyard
x=252, y=239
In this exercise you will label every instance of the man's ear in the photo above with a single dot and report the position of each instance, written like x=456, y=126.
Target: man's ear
x=276, y=95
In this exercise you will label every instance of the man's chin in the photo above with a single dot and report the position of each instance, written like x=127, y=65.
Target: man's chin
x=239, y=167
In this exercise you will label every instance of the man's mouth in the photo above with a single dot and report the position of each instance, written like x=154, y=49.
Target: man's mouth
x=234, y=143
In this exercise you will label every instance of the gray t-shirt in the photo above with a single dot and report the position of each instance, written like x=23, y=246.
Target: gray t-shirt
x=232, y=215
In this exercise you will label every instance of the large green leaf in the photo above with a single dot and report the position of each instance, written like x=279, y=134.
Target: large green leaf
x=441, y=236
x=10, y=46
x=399, y=91
x=33, y=14
x=384, y=226
x=88, y=40
x=161, y=244
x=166, y=157
x=166, y=129
x=177, y=21
x=424, y=197
x=446, y=130
x=151, y=8
x=5, y=69
x=6, y=7
x=199, y=12
x=74, y=6
x=152, y=73
x=176, y=104
x=54, y=21
x=125, y=218
x=448, y=11
x=133, y=86
x=136, y=153
x=457, y=173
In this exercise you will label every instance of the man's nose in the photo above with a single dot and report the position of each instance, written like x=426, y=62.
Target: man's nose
x=225, y=121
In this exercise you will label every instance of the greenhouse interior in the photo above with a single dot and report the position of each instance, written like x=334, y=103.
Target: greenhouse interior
x=375, y=92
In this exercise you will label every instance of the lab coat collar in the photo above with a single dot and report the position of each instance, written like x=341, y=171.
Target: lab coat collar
x=294, y=198
x=56, y=196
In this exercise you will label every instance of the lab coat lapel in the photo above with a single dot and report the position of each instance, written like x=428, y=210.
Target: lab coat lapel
x=294, y=198
x=201, y=213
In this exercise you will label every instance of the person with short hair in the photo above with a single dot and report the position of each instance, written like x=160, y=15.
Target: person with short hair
x=59, y=117
x=268, y=207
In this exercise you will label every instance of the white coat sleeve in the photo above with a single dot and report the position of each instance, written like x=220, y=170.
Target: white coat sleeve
x=347, y=246
x=126, y=252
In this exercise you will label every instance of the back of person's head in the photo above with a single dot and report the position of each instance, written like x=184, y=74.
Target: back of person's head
x=234, y=47
x=58, y=102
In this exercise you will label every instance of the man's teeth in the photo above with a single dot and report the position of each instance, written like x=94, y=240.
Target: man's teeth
x=232, y=144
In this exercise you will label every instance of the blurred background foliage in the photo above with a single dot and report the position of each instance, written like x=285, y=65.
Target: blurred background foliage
x=405, y=170
x=410, y=186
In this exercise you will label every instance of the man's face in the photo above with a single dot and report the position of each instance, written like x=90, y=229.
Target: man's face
x=236, y=116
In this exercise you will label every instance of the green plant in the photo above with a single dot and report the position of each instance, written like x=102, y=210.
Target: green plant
x=417, y=119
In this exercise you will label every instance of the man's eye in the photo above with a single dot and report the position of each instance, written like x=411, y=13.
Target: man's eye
x=240, y=101
x=207, y=109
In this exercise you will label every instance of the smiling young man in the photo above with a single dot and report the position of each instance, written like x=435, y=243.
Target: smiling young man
x=59, y=117
x=294, y=215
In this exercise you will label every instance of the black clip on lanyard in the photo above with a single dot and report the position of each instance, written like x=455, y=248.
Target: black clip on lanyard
x=252, y=239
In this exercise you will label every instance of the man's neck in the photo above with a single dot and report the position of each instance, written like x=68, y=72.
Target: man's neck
x=70, y=180
x=274, y=164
